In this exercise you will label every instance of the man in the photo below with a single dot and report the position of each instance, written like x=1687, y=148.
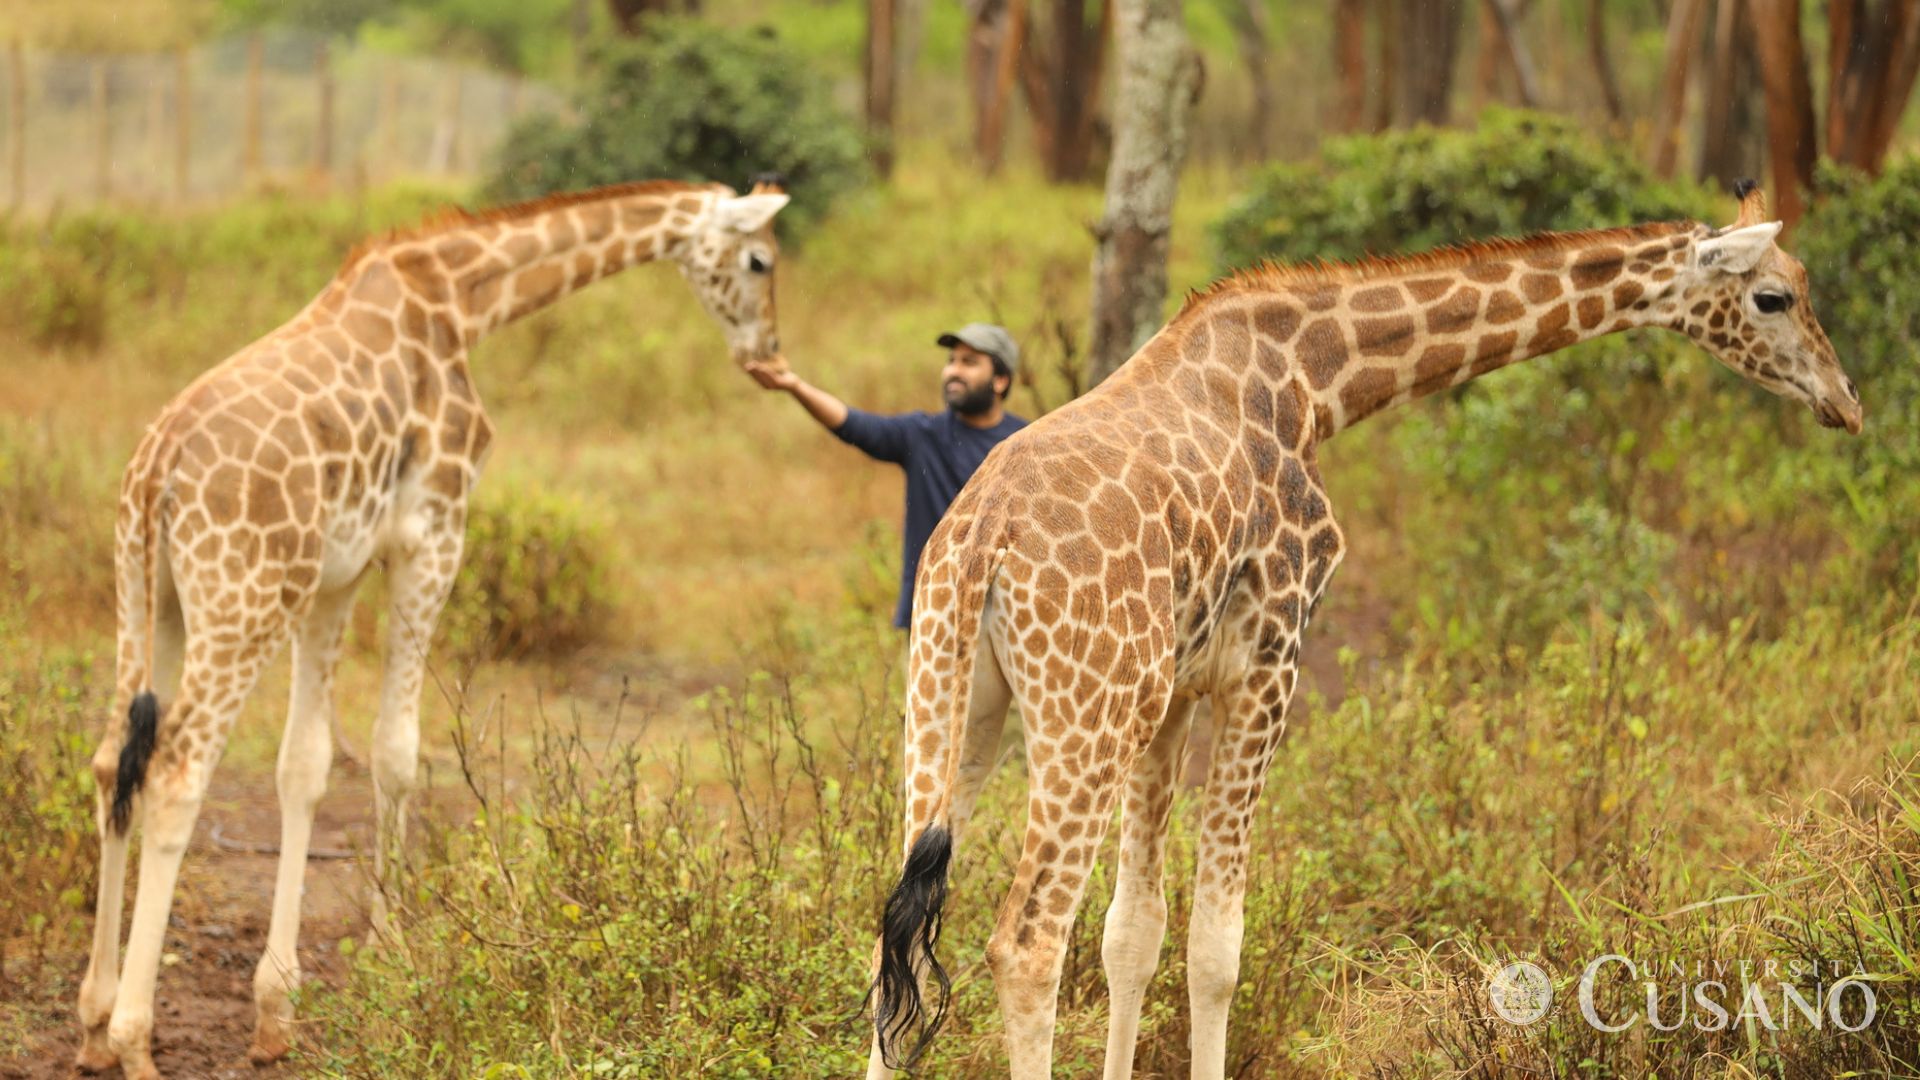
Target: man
x=939, y=451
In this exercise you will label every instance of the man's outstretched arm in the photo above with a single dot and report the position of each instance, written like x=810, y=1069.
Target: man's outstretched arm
x=882, y=437
x=774, y=374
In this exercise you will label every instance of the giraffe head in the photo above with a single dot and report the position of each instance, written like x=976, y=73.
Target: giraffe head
x=1745, y=301
x=729, y=262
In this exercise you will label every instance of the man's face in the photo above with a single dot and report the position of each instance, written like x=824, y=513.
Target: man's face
x=968, y=383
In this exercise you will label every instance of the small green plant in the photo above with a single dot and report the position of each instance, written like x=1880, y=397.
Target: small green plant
x=690, y=101
x=534, y=580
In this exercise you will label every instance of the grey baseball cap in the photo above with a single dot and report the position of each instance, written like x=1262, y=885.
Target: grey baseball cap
x=986, y=337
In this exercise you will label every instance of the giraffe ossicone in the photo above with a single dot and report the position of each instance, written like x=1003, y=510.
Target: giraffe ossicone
x=1167, y=536
x=258, y=500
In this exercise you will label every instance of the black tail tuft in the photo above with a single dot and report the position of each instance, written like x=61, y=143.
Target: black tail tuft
x=908, y=932
x=143, y=729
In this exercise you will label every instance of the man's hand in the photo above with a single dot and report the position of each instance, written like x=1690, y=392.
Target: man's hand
x=773, y=373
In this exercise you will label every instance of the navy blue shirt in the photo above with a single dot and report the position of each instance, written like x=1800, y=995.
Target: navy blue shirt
x=939, y=451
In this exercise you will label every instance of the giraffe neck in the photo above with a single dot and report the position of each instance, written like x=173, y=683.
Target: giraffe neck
x=465, y=282
x=1365, y=339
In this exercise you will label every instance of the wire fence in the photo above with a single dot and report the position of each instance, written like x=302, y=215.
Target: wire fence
x=270, y=107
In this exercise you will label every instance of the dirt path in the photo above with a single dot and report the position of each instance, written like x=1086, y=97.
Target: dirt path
x=203, y=1012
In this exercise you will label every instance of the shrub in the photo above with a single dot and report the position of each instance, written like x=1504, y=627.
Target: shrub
x=1513, y=174
x=692, y=102
x=534, y=581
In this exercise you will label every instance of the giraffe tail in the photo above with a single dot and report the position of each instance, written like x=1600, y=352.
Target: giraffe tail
x=910, y=926
x=143, y=730
x=139, y=557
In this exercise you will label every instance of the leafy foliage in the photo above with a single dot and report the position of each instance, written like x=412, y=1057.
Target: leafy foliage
x=1513, y=174
x=692, y=102
x=533, y=581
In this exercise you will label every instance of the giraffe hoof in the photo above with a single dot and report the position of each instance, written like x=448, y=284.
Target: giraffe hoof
x=95, y=1058
x=267, y=1049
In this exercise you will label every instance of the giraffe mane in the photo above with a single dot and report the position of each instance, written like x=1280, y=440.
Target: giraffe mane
x=1268, y=276
x=449, y=218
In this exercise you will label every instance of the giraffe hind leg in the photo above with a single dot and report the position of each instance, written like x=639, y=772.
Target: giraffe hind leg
x=102, y=982
x=1136, y=924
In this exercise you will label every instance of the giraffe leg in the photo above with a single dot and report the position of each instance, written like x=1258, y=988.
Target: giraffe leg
x=1247, y=733
x=306, y=752
x=192, y=735
x=102, y=982
x=1068, y=811
x=419, y=584
x=1137, y=918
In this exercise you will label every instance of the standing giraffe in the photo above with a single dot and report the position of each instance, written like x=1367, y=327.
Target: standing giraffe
x=1167, y=536
x=263, y=493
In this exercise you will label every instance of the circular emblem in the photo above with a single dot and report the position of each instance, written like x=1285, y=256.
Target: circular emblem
x=1521, y=992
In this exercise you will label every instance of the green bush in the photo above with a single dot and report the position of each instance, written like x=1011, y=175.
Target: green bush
x=534, y=581
x=1860, y=245
x=1513, y=174
x=692, y=102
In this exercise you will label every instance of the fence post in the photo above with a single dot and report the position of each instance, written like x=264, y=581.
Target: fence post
x=182, y=122
x=17, y=123
x=323, y=138
x=102, y=134
x=250, y=156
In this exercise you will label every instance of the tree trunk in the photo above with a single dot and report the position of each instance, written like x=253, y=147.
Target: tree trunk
x=102, y=133
x=1683, y=30
x=1870, y=64
x=1602, y=61
x=1061, y=77
x=1506, y=22
x=251, y=127
x=1388, y=19
x=1783, y=70
x=1430, y=30
x=996, y=35
x=881, y=67
x=1158, y=81
x=1727, y=134
x=1350, y=56
x=1249, y=18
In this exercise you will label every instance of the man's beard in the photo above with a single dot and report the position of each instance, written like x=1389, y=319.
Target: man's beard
x=972, y=400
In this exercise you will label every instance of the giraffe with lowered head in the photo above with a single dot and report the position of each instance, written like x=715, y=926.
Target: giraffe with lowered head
x=258, y=500
x=1167, y=536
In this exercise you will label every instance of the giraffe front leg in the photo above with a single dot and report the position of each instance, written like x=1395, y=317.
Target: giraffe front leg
x=419, y=583
x=306, y=753
x=1250, y=726
x=1137, y=918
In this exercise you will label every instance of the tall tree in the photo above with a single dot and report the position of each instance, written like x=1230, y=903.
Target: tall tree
x=1783, y=70
x=996, y=34
x=1249, y=21
x=1158, y=82
x=1429, y=33
x=882, y=67
x=1683, y=31
x=1350, y=57
x=1060, y=67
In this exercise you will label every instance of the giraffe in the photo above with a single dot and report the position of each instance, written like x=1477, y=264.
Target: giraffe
x=263, y=493
x=1167, y=536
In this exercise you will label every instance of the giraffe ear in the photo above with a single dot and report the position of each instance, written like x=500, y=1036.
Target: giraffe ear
x=749, y=213
x=1736, y=250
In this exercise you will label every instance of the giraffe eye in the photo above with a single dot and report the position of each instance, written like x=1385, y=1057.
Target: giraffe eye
x=1771, y=303
x=758, y=264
